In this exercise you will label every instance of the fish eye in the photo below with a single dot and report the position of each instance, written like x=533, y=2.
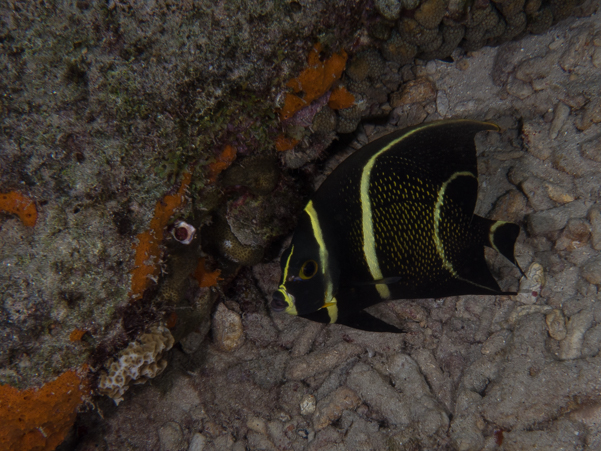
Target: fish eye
x=308, y=270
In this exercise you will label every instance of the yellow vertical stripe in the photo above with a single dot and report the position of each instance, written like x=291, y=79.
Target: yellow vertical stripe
x=291, y=308
x=369, y=239
x=439, y=202
x=323, y=253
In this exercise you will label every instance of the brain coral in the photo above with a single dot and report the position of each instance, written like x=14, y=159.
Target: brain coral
x=141, y=360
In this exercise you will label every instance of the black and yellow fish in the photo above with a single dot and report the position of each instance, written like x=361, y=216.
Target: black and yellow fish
x=395, y=220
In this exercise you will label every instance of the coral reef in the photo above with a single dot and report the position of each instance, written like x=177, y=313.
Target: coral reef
x=123, y=118
x=139, y=361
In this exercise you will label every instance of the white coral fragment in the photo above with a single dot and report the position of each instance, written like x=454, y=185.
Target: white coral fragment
x=140, y=361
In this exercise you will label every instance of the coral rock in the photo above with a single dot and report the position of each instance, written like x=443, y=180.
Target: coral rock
x=431, y=12
x=415, y=91
x=332, y=406
x=325, y=120
x=389, y=9
x=398, y=50
x=314, y=81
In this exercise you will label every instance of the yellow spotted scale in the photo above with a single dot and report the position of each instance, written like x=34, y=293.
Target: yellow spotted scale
x=395, y=220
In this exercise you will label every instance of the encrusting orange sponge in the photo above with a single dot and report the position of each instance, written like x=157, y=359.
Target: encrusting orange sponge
x=77, y=334
x=283, y=143
x=314, y=81
x=340, y=99
x=148, y=252
x=40, y=419
x=223, y=161
x=18, y=204
x=204, y=277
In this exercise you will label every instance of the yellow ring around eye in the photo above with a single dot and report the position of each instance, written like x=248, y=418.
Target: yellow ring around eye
x=308, y=270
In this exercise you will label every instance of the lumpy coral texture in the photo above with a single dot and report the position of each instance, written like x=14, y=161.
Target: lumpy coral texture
x=141, y=360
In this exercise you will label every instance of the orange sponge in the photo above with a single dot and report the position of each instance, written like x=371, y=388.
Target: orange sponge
x=205, y=278
x=18, y=204
x=223, y=161
x=341, y=98
x=148, y=252
x=283, y=143
x=39, y=419
x=77, y=334
x=314, y=81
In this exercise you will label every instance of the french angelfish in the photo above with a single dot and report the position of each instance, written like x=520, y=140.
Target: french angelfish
x=395, y=220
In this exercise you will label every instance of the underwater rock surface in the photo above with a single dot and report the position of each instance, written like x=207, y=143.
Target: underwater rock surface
x=139, y=114
x=473, y=372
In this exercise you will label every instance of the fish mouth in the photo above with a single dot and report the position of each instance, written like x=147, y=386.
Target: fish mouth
x=281, y=300
x=278, y=302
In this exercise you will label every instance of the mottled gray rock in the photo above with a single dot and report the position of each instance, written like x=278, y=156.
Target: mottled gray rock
x=537, y=195
x=577, y=325
x=496, y=342
x=259, y=329
x=591, y=271
x=466, y=430
x=562, y=111
x=556, y=323
x=305, y=340
x=555, y=218
x=379, y=395
x=321, y=361
x=437, y=379
x=594, y=216
x=332, y=406
x=171, y=436
x=228, y=333
x=532, y=387
x=565, y=435
x=197, y=443
x=592, y=150
x=519, y=89
x=533, y=133
x=592, y=342
x=425, y=410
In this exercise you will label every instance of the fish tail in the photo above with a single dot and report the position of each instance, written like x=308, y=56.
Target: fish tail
x=499, y=235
